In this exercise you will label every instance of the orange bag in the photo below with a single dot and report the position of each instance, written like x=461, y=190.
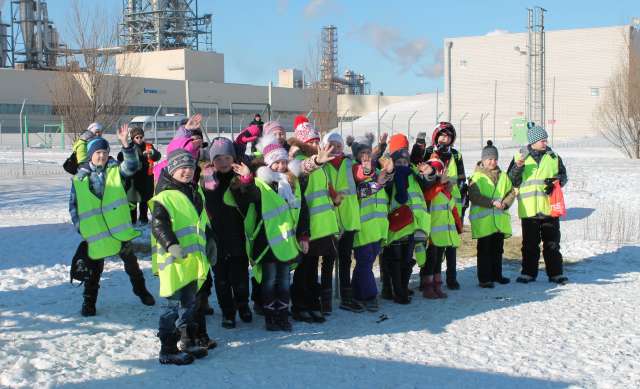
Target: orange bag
x=556, y=199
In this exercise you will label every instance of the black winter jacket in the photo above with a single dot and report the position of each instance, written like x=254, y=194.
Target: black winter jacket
x=160, y=219
x=226, y=221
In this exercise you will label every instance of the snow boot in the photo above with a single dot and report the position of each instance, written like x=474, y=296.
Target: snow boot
x=88, y=306
x=301, y=315
x=228, y=321
x=282, y=320
x=437, y=286
x=326, y=301
x=525, y=279
x=348, y=303
x=400, y=295
x=206, y=342
x=488, y=285
x=503, y=280
x=428, y=291
x=559, y=279
x=270, y=320
x=317, y=316
x=245, y=313
x=452, y=284
x=140, y=290
x=188, y=344
x=169, y=352
x=371, y=305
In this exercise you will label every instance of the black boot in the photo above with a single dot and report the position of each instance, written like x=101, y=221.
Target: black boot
x=348, y=303
x=188, y=343
x=245, y=313
x=326, y=300
x=406, y=277
x=140, y=290
x=399, y=290
x=229, y=321
x=317, y=316
x=301, y=315
x=282, y=319
x=169, y=352
x=89, y=306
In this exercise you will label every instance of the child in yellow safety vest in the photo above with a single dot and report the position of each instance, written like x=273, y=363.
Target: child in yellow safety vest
x=491, y=194
x=100, y=212
x=181, y=254
x=276, y=225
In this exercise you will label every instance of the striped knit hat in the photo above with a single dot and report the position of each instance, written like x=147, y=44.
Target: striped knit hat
x=536, y=133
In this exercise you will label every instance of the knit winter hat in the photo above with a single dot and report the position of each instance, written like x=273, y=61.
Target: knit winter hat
x=272, y=151
x=536, y=133
x=271, y=126
x=94, y=127
x=135, y=131
x=399, y=147
x=221, y=146
x=332, y=137
x=299, y=120
x=489, y=151
x=360, y=144
x=180, y=158
x=98, y=143
x=436, y=164
x=306, y=133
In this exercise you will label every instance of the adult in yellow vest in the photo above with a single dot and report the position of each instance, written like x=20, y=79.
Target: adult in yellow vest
x=276, y=226
x=100, y=212
x=374, y=225
x=407, y=214
x=491, y=194
x=180, y=230
x=442, y=141
x=323, y=229
x=534, y=170
x=340, y=174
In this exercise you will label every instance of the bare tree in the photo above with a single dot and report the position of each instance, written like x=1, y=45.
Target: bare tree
x=618, y=114
x=88, y=89
x=320, y=98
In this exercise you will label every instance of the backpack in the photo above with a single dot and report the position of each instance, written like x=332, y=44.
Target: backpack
x=70, y=165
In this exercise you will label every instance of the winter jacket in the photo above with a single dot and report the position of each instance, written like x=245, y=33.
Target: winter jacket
x=421, y=154
x=80, y=146
x=247, y=194
x=97, y=177
x=226, y=221
x=474, y=191
x=515, y=173
x=161, y=221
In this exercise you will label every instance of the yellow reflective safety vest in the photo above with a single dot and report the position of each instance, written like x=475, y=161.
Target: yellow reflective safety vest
x=421, y=217
x=532, y=199
x=279, y=221
x=342, y=180
x=488, y=221
x=323, y=218
x=443, y=225
x=104, y=223
x=374, y=222
x=189, y=228
x=452, y=173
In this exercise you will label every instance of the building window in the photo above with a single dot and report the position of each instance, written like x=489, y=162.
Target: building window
x=595, y=91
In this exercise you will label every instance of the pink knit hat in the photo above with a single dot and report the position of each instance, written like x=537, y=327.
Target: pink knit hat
x=306, y=133
x=272, y=151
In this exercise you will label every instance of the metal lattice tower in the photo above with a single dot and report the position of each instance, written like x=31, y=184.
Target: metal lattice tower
x=536, y=52
x=329, y=60
x=152, y=25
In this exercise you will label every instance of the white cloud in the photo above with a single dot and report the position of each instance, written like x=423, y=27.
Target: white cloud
x=315, y=7
x=497, y=31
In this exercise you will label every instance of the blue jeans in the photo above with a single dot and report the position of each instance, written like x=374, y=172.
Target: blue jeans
x=275, y=285
x=179, y=311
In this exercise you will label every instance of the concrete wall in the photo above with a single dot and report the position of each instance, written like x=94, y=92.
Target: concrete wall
x=360, y=105
x=179, y=64
x=579, y=60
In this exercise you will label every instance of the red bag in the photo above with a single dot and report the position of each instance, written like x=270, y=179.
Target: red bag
x=556, y=199
x=400, y=218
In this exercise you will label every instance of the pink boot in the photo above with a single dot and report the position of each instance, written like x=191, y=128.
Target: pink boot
x=437, y=286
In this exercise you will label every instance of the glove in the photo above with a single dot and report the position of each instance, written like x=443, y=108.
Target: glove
x=549, y=184
x=176, y=251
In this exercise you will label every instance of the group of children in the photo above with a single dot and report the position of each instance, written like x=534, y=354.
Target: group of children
x=280, y=206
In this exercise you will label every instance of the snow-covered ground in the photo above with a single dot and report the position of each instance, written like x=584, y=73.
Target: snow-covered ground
x=584, y=334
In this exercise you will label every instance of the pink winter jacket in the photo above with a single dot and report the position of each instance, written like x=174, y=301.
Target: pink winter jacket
x=176, y=143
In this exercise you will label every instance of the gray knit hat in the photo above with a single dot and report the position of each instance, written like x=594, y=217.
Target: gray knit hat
x=489, y=151
x=179, y=158
x=360, y=143
x=221, y=146
x=535, y=134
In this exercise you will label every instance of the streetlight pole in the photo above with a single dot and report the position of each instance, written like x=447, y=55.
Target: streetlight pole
x=495, y=100
x=379, y=119
x=409, y=123
x=483, y=117
x=460, y=128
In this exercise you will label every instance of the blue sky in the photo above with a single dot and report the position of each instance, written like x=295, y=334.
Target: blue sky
x=394, y=43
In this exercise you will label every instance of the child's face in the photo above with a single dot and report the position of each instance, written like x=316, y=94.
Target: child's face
x=338, y=148
x=364, y=156
x=100, y=158
x=540, y=145
x=197, y=141
x=222, y=163
x=279, y=166
x=314, y=143
x=444, y=139
x=490, y=163
x=183, y=174
x=279, y=134
x=138, y=139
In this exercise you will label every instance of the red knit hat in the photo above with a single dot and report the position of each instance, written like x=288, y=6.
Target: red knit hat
x=436, y=164
x=397, y=142
x=298, y=120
